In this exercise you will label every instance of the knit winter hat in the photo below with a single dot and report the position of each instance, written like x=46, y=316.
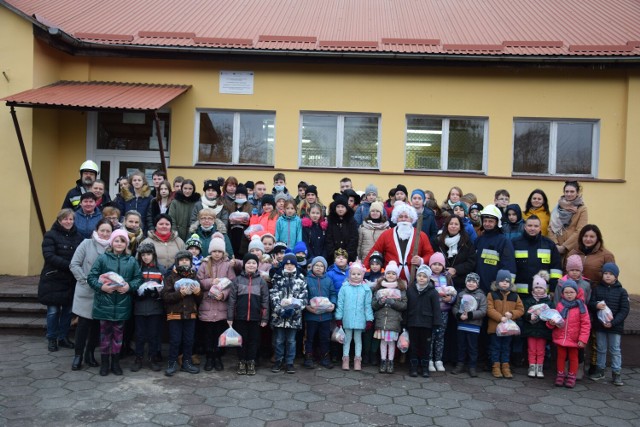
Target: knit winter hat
x=217, y=243
x=312, y=189
x=574, y=262
x=472, y=277
x=250, y=185
x=340, y=199
x=437, y=257
x=463, y=206
x=377, y=206
x=289, y=259
x=376, y=257
x=193, y=241
x=476, y=207
x=248, y=257
x=402, y=188
x=371, y=189
x=241, y=189
x=300, y=247
x=256, y=243
x=392, y=267
x=268, y=199
x=424, y=269
x=146, y=248
x=609, y=267
x=570, y=284
x=279, y=247
x=503, y=275
x=539, y=282
x=352, y=193
x=357, y=265
x=184, y=255
x=119, y=233
x=319, y=259
x=281, y=196
x=418, y=191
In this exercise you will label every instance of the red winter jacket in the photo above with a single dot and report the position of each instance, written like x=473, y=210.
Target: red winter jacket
x=576, y=327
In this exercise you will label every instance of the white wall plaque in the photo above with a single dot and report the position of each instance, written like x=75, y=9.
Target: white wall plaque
x=236, y=82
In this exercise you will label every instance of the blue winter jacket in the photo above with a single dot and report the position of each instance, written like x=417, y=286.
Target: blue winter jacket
x=362, y=212
x=337, y=276
x=289, y=230
x=471, y=231
x=320, y=286
x=494, y=252
x=354, y=306
x=86, y=223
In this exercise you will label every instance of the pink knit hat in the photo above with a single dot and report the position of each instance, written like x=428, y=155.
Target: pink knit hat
x=119, y=233
x=574, y=262
x=392, y=267
x=437, y=257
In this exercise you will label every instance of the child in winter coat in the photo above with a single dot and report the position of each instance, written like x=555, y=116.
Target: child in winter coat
x=570, y=336
x=354, y=313
x=194, y=245
x=423, y=315
x=574, y=268
x=503, y=303
x=339, y=271
x=215, y=275
x=148, y=309
x=536, y=331
x=289, y=225
x=288, y=297
x=514, y=224
x=389, y=302
x=318, y=324
x=469, y=323
x=248, y=310
x=181, y=306
x=370, y=345
x=314, y=228
x=609, y=293
x=444, y=285
x=461, y=211
x=112, y=302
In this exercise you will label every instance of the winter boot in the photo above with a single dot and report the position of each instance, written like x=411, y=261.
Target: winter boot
x=495, y=370
x=172, y=368
x=326, y=362
x=154, y=364
x=137, y=364
x=104, y=365
x=560, y=377
x=540, y=371
x=188, y=366
x=77, y=363
x=53, y=345
x=424, y=363
x=413, y=368
x=533, y=369
x=570, y=382
x=345, y=363
x=90, y=359
x=308, y=361
x=383, y=366
x=217, y=363
x=617, y=379
x=472, y=372
x=208, y=364
x=598, y=375
x=115, y=364
x=506, y=371
x=251, y=367
x=390, y=367
x=459, y=368
x=242, y=368
x=65, y=343
x=357, y=363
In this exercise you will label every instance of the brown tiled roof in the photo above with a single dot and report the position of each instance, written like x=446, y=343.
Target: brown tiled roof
x=98, y=95
x=445, y=27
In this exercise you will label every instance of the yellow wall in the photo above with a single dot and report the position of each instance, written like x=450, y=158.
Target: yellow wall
x=499, y=94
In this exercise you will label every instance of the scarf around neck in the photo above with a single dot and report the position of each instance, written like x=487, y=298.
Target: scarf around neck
x=98, y=240
x=567, y=305
x=452, y=244
x=563, y=213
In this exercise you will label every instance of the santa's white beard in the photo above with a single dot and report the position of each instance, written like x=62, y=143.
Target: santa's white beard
x=405, y=230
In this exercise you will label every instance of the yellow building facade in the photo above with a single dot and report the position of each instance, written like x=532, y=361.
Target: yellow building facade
x=57, y=140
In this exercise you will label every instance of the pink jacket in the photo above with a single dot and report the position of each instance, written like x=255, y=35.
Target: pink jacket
x=212, y=310
x=576, y=328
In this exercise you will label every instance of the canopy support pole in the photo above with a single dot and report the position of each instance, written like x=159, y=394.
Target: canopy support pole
x=163, y=161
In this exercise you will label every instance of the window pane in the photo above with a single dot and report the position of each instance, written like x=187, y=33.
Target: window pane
x=466, y=140
x=256, y=138
x=424, y=143
x=360, y=148
x=531, y=147
x=319, y=140
x=131, y=131
x=216, y=137
x=574, y=148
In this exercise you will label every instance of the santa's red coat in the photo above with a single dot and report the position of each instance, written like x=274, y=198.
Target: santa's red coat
x=387, y=245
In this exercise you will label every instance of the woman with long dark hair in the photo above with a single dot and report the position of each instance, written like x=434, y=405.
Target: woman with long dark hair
x=593, y=253
x=538, y=205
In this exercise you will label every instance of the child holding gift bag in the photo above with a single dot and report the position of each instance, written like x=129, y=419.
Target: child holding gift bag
x=469, y=323
x=535, y=330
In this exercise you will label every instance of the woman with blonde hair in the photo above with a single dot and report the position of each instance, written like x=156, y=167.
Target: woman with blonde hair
x=135, y=197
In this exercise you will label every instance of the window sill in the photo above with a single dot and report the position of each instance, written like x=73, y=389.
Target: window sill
x=564, y=178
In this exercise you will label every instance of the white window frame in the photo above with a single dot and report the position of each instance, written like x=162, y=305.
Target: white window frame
x=444, y=143
x=553, y=145
x=235, y=139
x=340, y=138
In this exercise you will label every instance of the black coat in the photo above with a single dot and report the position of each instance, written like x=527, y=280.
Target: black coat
x=617, y=299
x=313, y=235
x=464, y=262
x=423, y=308
x=57, y=283
x=342, y=233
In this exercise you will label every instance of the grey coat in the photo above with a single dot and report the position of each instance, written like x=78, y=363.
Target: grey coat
x=81, y=263
x=388, y=315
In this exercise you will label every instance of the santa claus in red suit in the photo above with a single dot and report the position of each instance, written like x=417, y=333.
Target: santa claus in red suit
x=403, y=243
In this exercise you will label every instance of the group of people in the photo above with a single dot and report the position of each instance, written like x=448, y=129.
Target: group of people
x=351, y=281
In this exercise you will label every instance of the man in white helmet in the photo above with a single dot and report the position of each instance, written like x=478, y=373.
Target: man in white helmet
x=494, y=250
x=88, y=174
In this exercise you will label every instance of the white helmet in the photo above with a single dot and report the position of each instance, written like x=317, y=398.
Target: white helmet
x=89, y=165
x=492, y=211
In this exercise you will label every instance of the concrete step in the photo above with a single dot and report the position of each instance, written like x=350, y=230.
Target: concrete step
x=22, y=309
x=22, y=323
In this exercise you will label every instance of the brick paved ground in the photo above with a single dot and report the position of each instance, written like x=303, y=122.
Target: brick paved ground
x=39, y=388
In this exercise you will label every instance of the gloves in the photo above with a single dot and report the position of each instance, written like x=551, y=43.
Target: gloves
x=369, y=325
x=339, y=323
x=287, y=313
x=148, y=292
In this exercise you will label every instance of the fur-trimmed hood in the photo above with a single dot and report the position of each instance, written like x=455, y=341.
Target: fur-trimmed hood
x=494, y=287
x=193, y=198
x=129, y=193
x=333, y=216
